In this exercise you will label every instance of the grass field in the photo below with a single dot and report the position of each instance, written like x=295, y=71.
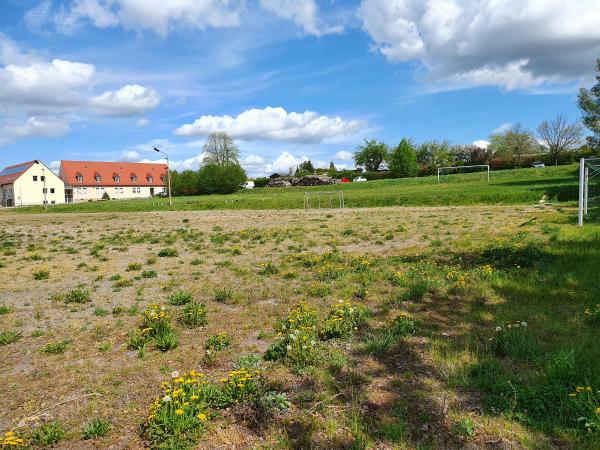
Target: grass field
x=459, y=327
x=523, y=186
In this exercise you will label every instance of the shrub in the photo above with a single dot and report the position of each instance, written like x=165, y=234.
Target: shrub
x=148, y=274
x=194, y=314
x=47, y=435
x=96, y=428
x=41, y=274
x=168, y=253
x=180, y=298
x=131, y=267
x=220, y=178
x=344, y=319
x=8, y=337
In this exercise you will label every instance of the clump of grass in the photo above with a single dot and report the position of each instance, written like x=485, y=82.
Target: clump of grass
x=223, y=295
x=268, y=269
x=156, y=326
x=78, y=295
x=514, y=340
x=41, y=274
x=55, y=348
x=132, y=267
x=149, y=274
x=379, y=342
x=219, y=341
x=464, y=428
x=47, y=435
x=5, y=309
x=100, y=312
x=194, y=315
x=586, y=402
x=168, y=252
x=180, y=298
x=96, y=428
x=592, y=316
x=8, y=337
x=196, y=262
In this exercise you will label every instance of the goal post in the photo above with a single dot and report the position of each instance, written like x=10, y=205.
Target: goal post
x=589, y=186
x=455, y=169
x=324, y=199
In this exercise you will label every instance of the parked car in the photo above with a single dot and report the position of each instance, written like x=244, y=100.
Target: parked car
x=359, y=179
x=248, y=185
x=538, y=165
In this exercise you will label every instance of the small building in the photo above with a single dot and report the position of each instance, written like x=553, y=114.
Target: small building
x=30, y=183
x=93, y=180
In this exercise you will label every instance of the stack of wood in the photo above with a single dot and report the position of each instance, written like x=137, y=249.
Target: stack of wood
x=313, y=180
x=279, y=182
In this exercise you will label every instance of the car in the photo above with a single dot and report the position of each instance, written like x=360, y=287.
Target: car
x=359, y=179
x=538, y=165
x=248, y=185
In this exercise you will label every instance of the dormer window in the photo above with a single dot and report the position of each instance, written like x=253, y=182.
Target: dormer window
x=133, y=177
x=149, y=178
x=97, y=177
x=79, y=177
x=116, y=177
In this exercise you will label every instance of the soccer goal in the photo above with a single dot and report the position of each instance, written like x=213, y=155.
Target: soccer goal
x=589, y=188
x=481, y=169
x=324, y=199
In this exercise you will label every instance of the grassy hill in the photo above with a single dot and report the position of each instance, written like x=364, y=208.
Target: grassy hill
x=522, y=186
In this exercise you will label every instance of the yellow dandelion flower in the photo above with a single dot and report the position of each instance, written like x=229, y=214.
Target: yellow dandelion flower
x=201, y=417
x=179, y=412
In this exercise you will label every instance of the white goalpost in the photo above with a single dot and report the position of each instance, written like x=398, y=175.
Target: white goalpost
x=324, y=199
x=455, y=169
x=589, y=186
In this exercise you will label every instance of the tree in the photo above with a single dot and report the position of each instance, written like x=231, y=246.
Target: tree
x=560, y=136
x=471, y=154
x=305, y=168
x=332, y=169
x=403, y=160
x=184, y=183
x=220, y=149
x=589, y=104
x=371, y=154
x=220, y=178
x=513, y=143
x=435, y=153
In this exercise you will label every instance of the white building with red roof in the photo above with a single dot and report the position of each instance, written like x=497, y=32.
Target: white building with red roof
x=93, y=180
x=30, y=183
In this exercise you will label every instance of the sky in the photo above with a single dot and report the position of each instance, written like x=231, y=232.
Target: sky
x=289, y=80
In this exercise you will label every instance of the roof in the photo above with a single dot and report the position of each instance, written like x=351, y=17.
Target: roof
x=10, y=174
x=125, y=172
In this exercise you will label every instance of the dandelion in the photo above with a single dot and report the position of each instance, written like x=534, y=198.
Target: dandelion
x=498, y=329
x=524, y=324
x=598, y=410
x=201, y=417
x=174, y=374
x=166, y=399
x=179, y=412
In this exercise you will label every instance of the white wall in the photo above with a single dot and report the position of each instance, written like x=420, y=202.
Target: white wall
x=30, y=192
x=87, y=193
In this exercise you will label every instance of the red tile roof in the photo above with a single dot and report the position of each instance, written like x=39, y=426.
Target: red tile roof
x=10, y=174
x=108, y=171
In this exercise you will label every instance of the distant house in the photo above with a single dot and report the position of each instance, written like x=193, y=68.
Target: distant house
x=91, y=180
x=275, y=175
x=30, y=183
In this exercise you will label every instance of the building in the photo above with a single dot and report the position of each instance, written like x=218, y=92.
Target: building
x=92, y=180
x=30, y=183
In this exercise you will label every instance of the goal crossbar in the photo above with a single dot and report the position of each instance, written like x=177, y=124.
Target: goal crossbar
x=323, y=196
x=486, y=166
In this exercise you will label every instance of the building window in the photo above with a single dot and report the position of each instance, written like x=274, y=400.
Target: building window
x=137, y=190
x=82, y=190
x=118, y=190
x=149, y=178
x=53, y=202
x=42, y=178
x=35, y=178
x=98, y=178
x=52, y=190
x=44, y=191
x=116, y=178
x=133, y=177
x=79, y=178
x=99, y=190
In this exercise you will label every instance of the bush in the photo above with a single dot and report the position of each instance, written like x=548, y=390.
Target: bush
x=261, y=182
x=403, y=160
x=180, y=298
x=168, y=253
x=78, y=295
x=220, y=179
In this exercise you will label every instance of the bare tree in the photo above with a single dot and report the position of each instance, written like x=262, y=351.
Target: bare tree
x=560, y=136
x=220, y=149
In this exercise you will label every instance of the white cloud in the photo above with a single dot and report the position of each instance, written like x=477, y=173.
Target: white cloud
x=142, y=123
x=481, y=143
x=503, y=128
x=54, y=166
x=274, y=124
x=130, y=156
x=515, y=44
x=127, y=101
x=34, y=127
x=344, y=155
x=159, y=16
x=303, y=13
x=254, y=160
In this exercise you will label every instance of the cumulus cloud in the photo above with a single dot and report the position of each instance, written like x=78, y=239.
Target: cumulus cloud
x=142, y=123
x=42, y=91
x=481, y=143
x=344, y=155
x=515, y=44
x=34, y=127
x=303, y=13
x=156, y=15
x=128, y=101
x=274, y=124
x=503, y=128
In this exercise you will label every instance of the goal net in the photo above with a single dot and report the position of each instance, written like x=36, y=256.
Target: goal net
x=589, y=190
x=463, y=173
x=324, y=199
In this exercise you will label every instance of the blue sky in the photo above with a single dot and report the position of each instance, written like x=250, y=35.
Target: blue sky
x=289, y=80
